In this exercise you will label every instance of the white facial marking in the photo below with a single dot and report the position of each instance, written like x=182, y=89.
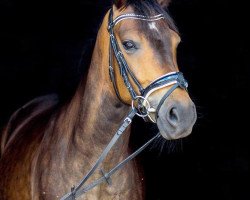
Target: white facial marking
x=152, y=26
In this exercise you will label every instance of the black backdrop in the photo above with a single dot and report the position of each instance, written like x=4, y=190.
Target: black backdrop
x=41, y=44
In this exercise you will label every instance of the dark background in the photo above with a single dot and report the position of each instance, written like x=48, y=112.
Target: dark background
x=41, y=45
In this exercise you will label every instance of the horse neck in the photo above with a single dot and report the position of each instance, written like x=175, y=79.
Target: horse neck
x=95, y=113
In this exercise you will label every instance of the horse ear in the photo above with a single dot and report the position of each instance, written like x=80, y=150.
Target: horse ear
x=164, y=3
x=119, y=3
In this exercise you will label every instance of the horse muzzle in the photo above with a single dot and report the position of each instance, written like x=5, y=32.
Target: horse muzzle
x=177, y=115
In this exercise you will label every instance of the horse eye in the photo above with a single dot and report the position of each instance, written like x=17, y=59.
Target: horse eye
x=129, y=45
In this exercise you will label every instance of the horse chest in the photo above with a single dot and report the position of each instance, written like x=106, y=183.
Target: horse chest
x=58, y=178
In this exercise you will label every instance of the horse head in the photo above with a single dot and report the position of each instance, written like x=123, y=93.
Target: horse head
x=146, y=39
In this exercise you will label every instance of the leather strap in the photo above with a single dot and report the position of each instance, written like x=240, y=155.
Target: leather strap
x=164, y=98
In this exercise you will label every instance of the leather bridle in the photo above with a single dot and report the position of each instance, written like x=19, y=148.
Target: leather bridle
x=174, y=78
x=142, y=109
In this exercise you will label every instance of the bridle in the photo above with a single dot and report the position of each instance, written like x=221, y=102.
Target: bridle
x=173, y=78
x=142, y=107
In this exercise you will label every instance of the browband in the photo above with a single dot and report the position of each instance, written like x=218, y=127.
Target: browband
x=134, y=16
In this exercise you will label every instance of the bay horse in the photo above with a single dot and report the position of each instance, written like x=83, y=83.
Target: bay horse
x=47, y=148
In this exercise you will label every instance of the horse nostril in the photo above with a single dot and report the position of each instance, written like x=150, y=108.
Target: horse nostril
x=173, y=117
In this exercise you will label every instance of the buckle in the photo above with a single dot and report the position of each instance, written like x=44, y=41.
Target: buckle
x=143, y=107
x=73, y=193
x=110, y=26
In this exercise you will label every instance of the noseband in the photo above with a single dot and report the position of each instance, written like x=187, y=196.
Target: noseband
x=174, y=79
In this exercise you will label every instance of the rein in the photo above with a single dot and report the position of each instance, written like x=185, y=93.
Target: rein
x=142, y=108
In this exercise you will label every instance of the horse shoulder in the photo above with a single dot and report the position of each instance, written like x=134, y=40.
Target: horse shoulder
x=25, y=115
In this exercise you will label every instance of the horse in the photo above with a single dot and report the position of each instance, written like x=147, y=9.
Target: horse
x=46, y=147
